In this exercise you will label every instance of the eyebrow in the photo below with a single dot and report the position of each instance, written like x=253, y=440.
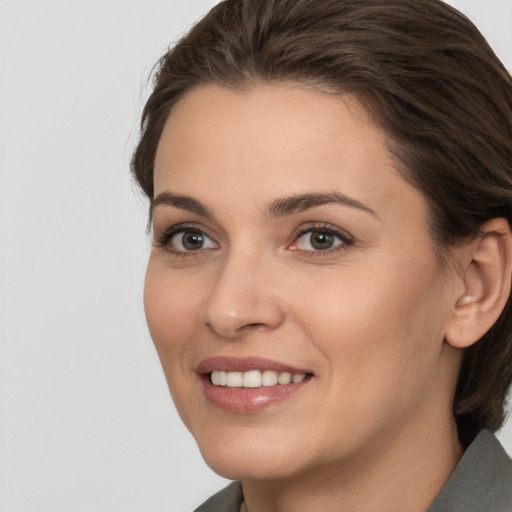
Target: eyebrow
x=301, y=202
x=178, y=201
x=279, y=207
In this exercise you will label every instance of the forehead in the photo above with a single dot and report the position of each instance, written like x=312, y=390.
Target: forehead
x=292, y=114
x=270, y=140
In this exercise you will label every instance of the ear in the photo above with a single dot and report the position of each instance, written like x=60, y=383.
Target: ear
x=486, y=275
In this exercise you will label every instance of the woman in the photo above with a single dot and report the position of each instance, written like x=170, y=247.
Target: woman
x=328, y=289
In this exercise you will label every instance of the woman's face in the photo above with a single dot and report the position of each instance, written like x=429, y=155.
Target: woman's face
x=285, y=242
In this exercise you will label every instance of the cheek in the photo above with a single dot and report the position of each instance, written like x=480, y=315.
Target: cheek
x=378, y=330
x=171, y=308
x=172, y=311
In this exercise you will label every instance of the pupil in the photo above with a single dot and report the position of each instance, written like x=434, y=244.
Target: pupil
x=321, y=240
x=192, y=240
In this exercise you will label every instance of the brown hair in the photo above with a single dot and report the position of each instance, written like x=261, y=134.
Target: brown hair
x=424, y=73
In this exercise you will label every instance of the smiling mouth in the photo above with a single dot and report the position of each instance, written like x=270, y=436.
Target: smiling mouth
x=254, y=378
x=251, y=384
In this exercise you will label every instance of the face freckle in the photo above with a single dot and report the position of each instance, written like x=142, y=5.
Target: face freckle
x=344, y=286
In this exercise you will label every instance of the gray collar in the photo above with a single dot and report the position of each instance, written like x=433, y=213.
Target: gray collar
x=481, y=482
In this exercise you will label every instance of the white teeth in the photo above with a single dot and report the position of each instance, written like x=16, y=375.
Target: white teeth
x=254, y=378
x=234, y=379
x=269, y=378
x=284, y=378
x=215, y=378
x=251, y=379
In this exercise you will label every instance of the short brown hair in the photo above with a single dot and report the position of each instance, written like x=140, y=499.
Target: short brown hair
x=424, y=73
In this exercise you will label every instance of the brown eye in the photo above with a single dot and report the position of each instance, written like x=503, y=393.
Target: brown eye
x=191, y=240
x=320, y=240
x=317, y=240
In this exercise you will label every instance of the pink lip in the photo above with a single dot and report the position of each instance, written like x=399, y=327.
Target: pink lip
x=247, y=400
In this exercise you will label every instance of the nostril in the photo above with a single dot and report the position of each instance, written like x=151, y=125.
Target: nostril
x=252, y=327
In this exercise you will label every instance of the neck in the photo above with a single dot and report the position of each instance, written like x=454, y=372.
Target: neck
x=396, y=473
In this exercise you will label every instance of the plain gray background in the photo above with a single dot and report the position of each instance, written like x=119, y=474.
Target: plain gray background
x=86, y=422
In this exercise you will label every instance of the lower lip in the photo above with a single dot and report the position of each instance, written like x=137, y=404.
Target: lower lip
x=247, y=400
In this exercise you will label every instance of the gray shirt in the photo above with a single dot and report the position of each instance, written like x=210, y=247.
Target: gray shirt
x=481, y=482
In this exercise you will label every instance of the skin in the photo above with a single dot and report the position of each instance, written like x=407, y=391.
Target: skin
x=373, y=428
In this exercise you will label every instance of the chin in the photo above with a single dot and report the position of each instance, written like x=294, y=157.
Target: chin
x=238, y=468
x=238, y=458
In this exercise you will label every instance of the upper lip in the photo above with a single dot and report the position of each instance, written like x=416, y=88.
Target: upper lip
x=244, y=364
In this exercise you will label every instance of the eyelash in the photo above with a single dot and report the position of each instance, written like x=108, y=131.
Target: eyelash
x=346, y=239
x=167, y=235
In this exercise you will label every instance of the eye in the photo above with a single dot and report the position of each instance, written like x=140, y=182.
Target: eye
x=320, y=239
x=317, y=240
x=191, y=240
x=182, y=239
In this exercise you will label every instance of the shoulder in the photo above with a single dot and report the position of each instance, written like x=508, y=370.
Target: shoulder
x=227, y=500
x=481, y=482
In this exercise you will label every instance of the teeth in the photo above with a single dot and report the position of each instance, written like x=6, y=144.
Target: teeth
x=254, y=378
x=284, y=378
x=251, y=379
x=269, y=378
x=234, y=379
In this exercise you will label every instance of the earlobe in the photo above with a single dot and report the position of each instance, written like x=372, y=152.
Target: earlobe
x=487, y=281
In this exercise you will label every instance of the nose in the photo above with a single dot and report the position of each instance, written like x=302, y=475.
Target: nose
x=243, y=298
